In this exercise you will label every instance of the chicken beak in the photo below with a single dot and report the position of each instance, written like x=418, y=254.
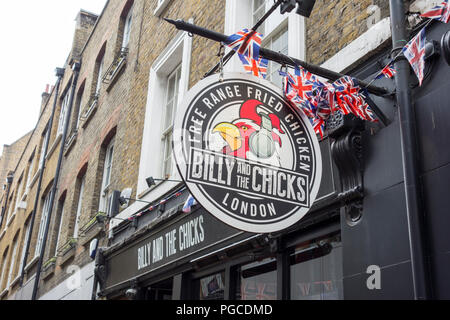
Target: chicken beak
x=230, y=133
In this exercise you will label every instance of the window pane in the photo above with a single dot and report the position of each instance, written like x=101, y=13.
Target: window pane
x=168, y=155
x=108, y=165
x=80, y=203
x=99, y=77
x=11, y=265
x=58, y=236
x=278, y=43
x=212, y=287
x=316, y=270
x=259, y=9
x=127, y=28
x=257, y=281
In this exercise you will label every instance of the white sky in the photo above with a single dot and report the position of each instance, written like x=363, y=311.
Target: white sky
x=36, y=37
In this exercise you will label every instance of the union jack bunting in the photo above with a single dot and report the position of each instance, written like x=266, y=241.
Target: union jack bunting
x=258, y=68
x=299, y=90
x=246, y=42
x=190, y=202
x=414, y=51
x=387, y=72
x=349, y=97
x=440, y=12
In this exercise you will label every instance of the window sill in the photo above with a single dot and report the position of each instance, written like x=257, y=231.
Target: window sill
x=2, y=233
x=68, y=255
x=70, y=143
x=15, y=281
x=33, y=180
x=24, y=196
x=48, y=270
x=53, y=147
x=10, y=220
x=90, y=112
x=91, y=232
x=4, y=293
x=32, y=263
x=159, y=9
x=116, y=73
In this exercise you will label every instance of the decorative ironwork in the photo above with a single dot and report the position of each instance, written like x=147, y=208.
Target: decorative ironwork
x=347, y=153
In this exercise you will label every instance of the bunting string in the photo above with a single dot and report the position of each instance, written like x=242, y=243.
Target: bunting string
x=186, y=208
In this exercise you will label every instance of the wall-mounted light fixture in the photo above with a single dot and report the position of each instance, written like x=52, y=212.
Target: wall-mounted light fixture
x=123, y=200
x=151, y=181
x=304, y=7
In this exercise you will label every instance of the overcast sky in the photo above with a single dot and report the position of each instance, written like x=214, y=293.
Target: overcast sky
x=36, y=38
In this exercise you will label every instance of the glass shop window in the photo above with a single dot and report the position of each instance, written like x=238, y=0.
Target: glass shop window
x=316, y=270
x=211, y=287
x=257, y=281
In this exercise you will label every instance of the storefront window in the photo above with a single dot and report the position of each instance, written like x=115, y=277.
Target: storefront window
x=212, y=287
x=316, y=270
x=257, y=281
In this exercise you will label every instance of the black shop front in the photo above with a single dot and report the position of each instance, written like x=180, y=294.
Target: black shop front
x=178, y=255
x=356, y=230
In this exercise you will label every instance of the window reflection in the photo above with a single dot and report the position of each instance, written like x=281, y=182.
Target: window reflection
x=257, y=281
x=316, y=270
x=212, y=287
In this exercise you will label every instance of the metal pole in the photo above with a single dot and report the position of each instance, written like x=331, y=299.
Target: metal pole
x=59, y=74
x=409, y=153
x=274, y=56
x=76, y=69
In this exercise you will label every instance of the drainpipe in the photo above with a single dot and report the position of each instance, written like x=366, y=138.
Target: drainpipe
x=76, y=69
x=59, y=74
x=410, y=154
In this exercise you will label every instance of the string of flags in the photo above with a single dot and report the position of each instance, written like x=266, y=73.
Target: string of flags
x=317, y=99
x=187, y=207
x=414, y=50
x=247, y=43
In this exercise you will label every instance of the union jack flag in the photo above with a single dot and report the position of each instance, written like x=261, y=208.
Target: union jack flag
x=350, y=99
x=258, y=68
x=387, y=72
x=440, y=12
x=246, y=42
x=190, y=202
x=414, y=51
x=300, y=88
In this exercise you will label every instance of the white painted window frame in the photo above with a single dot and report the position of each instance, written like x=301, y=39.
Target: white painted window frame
x=127, y=28
x=2, y=278
x=79, y=206
x=58, y=236
x=24, y=244
x=12, y=262
x=98, y=85
x=239, y=15
x=62, y=114
x=160, y=6
x=105, y=194
x=42, y=224
x=29, y=174
x=167, y=129
x=43, y=147
x=79, y=101
x=178, y=51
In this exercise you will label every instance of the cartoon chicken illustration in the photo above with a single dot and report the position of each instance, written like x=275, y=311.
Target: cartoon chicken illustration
x=252, y=136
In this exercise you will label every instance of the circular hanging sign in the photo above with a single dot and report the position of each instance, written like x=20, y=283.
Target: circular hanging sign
x=245, y=154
